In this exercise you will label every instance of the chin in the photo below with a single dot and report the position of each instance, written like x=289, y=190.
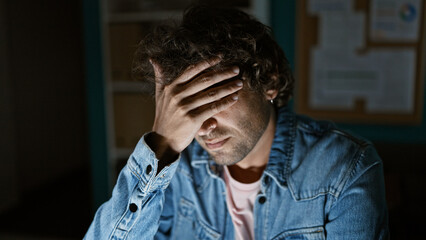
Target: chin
x=226, y=158
x=225, y=162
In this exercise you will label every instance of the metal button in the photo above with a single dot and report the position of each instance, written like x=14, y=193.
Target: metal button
x=148, y=169
x=133, y=207
x=262, y=199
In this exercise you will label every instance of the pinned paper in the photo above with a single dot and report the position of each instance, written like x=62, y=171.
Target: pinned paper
x=383, y=78
x=395, y=20
x=342, y=30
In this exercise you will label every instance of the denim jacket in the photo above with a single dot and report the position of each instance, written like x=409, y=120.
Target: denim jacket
x=319, y=183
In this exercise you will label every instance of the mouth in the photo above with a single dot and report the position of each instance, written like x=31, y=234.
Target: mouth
x=215, y=143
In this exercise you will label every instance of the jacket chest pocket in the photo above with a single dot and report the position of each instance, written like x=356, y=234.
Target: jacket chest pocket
x=315, y=233
x=189, y=226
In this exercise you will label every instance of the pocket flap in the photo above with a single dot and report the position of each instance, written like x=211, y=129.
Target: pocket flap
x=314, y=233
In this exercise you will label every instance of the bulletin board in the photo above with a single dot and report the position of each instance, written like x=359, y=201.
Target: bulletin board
x=361, y=61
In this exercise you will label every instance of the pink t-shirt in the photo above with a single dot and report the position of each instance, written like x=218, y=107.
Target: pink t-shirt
x=240, y=199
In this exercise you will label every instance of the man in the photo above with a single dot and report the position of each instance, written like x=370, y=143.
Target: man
x=255, y=170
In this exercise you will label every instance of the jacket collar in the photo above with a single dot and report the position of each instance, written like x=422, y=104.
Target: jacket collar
x=279, y=163
x=282, y=149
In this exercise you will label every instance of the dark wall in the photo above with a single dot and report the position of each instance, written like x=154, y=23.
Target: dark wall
x=404, y=168
x=46, y=72
x=46, y=112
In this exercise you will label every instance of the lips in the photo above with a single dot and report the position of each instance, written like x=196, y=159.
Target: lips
x=216, y=143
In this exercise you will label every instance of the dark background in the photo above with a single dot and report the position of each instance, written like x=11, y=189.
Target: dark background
x=45, y=181
x=44, y=148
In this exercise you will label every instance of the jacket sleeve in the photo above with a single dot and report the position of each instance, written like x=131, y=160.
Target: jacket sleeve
x=360, y=211
x=136, y=205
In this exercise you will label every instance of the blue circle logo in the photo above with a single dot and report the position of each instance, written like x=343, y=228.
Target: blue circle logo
x=407, y=12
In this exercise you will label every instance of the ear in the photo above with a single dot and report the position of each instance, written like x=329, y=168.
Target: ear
x=271, y=94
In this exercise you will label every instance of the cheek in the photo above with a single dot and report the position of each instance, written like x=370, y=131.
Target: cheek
x=198, y=139
x=233, y=115
x=250, y=108
x=245, y=104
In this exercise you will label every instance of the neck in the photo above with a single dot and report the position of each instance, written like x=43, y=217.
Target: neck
x=250, y=169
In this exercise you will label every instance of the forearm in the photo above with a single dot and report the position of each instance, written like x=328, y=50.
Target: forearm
x=137, y=200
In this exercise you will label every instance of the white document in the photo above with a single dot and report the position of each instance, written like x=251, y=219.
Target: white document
x=339, y=78
x=342, y=30
x=327, y=6
x=384, y=79
x=395, y=20
x=398, y=69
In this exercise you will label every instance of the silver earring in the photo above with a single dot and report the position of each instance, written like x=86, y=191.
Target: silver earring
x=272, y=101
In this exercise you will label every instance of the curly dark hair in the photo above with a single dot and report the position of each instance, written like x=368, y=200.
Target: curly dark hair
x=206, y=32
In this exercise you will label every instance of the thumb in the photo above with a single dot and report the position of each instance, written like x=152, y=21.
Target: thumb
x=158, y=79
x=157, y=69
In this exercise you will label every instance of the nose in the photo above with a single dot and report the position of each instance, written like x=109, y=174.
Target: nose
x=208, y=126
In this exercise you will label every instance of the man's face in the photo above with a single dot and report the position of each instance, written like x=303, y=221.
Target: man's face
x=230, y=135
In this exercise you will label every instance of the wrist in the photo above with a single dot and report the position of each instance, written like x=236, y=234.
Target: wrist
x=162, y=149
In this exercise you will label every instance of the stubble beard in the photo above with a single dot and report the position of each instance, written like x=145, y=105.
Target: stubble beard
x=240, y=145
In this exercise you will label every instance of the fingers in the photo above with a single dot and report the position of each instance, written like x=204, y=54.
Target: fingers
x=209, y=110
x=207, y=80
x=187, y=75
x=212, y=95
x=194, y=70
x=194, y=94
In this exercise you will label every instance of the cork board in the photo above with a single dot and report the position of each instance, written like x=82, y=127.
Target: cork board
x=353, y=67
